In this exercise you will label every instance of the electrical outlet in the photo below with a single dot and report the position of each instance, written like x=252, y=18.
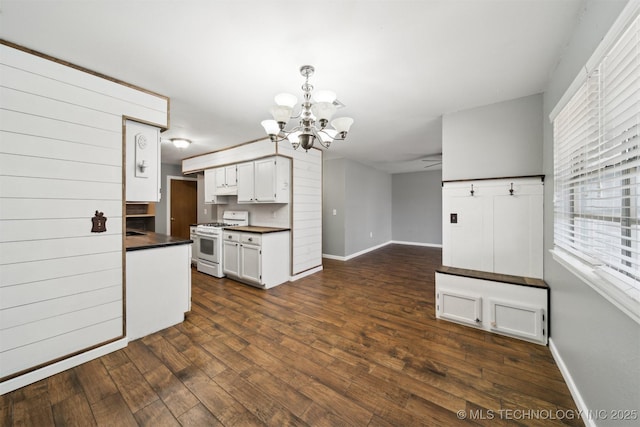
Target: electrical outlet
x=371, y=234
x=335, y=212
x=205, y=211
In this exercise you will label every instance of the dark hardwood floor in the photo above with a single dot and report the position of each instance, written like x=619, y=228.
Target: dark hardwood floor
x=355, y=345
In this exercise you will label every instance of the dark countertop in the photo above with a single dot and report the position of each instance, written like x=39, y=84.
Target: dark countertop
x=256, y=229
x=149, y=240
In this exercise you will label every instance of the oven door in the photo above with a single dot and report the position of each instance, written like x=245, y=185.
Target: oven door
x=208, y=249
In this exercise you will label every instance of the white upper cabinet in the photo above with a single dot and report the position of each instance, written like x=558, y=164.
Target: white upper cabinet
x=226, y=180
x=143, y=162
x=210, y=188
x=265, y=181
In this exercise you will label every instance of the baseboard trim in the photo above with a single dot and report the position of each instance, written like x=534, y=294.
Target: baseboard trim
x=63, y=365
x=573, y=388
x=357, y=254
x=431, y=245
x=305, y=273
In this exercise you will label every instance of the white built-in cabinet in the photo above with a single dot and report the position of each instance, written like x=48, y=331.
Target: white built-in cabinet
x=488, y=227
x=226, y=181
x=143, y=162
x=492, y=253
x=514, y=309
x=264, y=181
x=210, y=189
x=258, y=259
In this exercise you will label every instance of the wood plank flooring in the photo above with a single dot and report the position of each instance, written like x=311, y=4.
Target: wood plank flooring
x=355, y=345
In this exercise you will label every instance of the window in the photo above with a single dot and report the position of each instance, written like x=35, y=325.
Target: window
x=597, y=175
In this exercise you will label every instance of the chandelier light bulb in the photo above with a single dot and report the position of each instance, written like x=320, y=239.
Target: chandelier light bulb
x=323, y=110
x=324, y=96
x=286, y=100
x=281, y=113
x=342, y=124
x=271, y=127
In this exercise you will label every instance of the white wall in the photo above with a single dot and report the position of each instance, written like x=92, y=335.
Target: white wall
x=492, y=141
x=597, y=343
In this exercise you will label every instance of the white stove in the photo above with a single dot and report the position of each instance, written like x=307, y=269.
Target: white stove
x=210, y=241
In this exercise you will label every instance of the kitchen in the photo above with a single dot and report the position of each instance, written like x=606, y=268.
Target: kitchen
x=363, y=231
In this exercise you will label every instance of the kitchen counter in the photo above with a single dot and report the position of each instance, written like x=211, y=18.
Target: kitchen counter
x=256, y=229
x=149, y=240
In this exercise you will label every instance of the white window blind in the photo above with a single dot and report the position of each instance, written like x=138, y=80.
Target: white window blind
x=597, y=167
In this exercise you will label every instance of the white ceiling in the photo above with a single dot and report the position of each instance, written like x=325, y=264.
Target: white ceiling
x=398, y=66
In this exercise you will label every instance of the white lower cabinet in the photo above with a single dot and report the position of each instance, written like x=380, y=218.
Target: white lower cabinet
x=519, y=311
x=158, y=288
x=259, y=259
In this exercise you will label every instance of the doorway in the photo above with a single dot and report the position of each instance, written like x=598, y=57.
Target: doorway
x=183, y=207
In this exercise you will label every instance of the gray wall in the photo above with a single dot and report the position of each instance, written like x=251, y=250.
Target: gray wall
x=361, y=197
x=367, y=207
x=498, y=140
x=333, y=198
x=417, y=207
x=599, y=345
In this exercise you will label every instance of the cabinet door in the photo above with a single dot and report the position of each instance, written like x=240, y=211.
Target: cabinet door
x=251, y=263
x=517, y=320
x=245, y=182
x=231, y=176
x=210, y=185
x=220, y=180
x=460, y=307
x=231, y=258
x=265, y=180
x=143, y=162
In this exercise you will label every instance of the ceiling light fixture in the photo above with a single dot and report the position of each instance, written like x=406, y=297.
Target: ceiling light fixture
x=314, y=117
x=180, y=142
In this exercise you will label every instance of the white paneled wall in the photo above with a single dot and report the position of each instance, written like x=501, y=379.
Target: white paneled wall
x=494, y=230
x=307, y=208
x=61, y=286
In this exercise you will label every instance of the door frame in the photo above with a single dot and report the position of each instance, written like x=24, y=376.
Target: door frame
x=168, y=199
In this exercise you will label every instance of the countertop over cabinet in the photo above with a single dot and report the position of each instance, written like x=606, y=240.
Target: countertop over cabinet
x=256, y=229
x=149, y=240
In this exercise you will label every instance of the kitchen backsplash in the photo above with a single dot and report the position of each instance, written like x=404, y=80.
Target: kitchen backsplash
x=266, y=215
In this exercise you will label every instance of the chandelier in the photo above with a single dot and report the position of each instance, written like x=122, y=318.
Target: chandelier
x=312, y=118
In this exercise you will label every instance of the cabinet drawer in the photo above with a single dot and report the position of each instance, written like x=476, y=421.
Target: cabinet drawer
x=233, y=237
x=251, y=238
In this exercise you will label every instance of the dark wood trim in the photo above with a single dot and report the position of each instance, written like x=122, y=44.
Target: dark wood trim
x=494, y=277
x=85, y=70
x=60, y=359
x=226, y=148
x=495, y=178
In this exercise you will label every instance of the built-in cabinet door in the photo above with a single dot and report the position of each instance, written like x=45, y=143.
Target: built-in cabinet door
x=265, y=180
x=231, y=257
x=143, y=162
x=210, y=185
x=226, y=181
x=245, y=182
x=251, y=266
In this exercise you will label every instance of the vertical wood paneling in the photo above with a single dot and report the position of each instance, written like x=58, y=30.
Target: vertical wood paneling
x=60, y=160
